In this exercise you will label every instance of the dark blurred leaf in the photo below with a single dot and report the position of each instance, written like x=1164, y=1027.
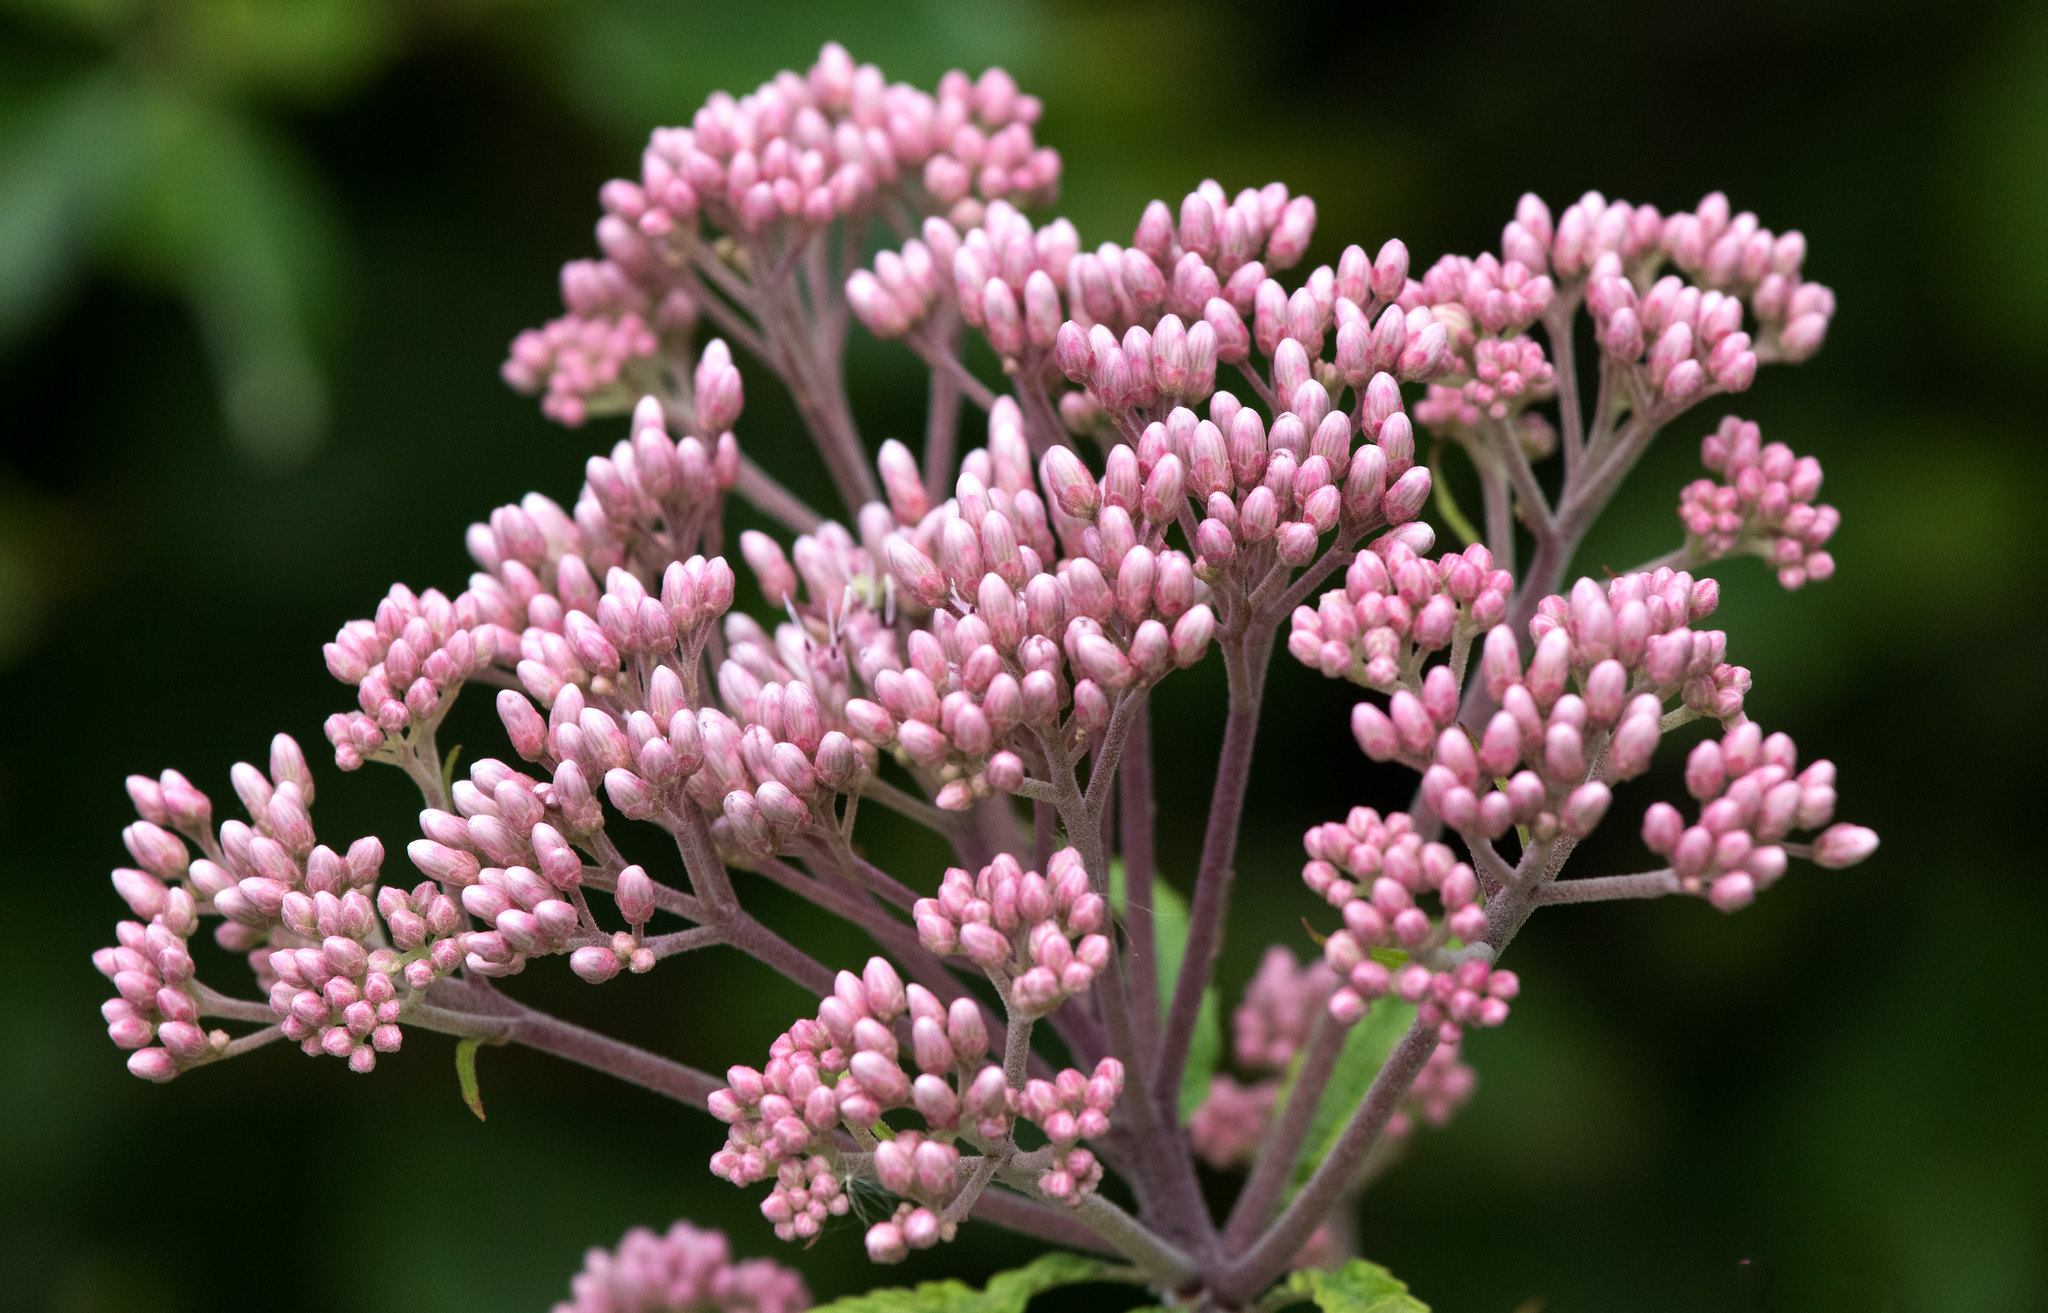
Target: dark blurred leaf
x=305, y=50
x=1006, y=1292
x=63, y=166
x=232, y=217
x=1357, y=1287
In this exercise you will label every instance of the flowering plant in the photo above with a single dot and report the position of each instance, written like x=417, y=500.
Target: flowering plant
x=1189, y=454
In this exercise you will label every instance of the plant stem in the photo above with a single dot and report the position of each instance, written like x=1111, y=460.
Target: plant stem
x=1608, y=888
x=490, y=1015
x=1245, y=667
x=1275, y=1162
x=1137, y=818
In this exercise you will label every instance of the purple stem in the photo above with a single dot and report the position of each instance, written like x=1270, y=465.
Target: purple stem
x=1275, y=1162
x=1137, y=818
x=1246, y=669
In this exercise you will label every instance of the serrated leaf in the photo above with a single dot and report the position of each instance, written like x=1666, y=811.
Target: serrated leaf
x=1357, y=1287
x=1364, y=1053
x=465, y=1075
x=1170, y=946
x=1006, y=1292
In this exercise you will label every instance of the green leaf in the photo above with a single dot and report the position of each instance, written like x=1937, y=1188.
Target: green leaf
x=1170, y=944
x=1006, y=1292
x=1356, y=1287
x=1364, y=1053
x=63, y=164
x=465, y=1075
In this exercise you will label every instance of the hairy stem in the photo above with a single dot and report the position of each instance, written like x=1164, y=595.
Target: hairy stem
x=1275, y=1162
x=1245, y=667
x=1608, y=888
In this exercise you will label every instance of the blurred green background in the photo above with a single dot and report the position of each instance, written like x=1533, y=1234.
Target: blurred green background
x=258, y=264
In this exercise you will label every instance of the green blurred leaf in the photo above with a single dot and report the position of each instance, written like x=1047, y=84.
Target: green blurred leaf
x=307, y=50
x=1170, y=942
x=1006, y=1292
x=465, y=1075
x=63, y=164
x=1357, y=1287
x=1364, y=1053
x=234, y=219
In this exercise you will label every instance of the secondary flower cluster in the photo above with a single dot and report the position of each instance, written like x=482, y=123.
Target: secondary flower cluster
x=307, y=917
x=1752, y=797
x=1372, y=869
x=1396, y=609
x=801, y=152
x=1269, y=1026
x=1040, y=935
x=1763, y=503
x=831, y=1083
x=681, y=1270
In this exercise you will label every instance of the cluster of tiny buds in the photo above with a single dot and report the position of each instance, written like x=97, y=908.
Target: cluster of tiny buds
x=1018, y=285
x=1396, y=608
x=581, y=363
x=1687, y=341
x=406, y=665
x=1762, y=503
x=782, y=163
x=1068, y=1109
x=588, y=638
x=1373, y=869
x=306, y=915
x=154, y=1014
x=845, y=1069
x=1042, y=936
x=1507, y=375
x=1752, y=797
x=682, y=1270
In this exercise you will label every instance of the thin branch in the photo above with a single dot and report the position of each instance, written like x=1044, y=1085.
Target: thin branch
x=1275, y=1161
x=1608, y=888
x=1215, y=873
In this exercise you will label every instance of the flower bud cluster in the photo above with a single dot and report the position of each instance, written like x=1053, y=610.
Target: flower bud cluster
x=407, y=664
x=1683, y=341
x=1763, y=503
x=1373, y=870
x=779, y=165
x=1269, y=1027
x=1507, y=375
x=1155, y=364
x=1024, y=625
x=1041, y=936
x=1395, y=609
x=154, y=1014
x=596, y=641
x=682, y=1270
x=1644, y=620
x=306, y=916
x=1017, y=285
x=506, y=851
x=1070, y=1108
x=1753, y=797
x=844, y=1070
x=1736, y=253
x=583, y=364
x=1265, y=495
